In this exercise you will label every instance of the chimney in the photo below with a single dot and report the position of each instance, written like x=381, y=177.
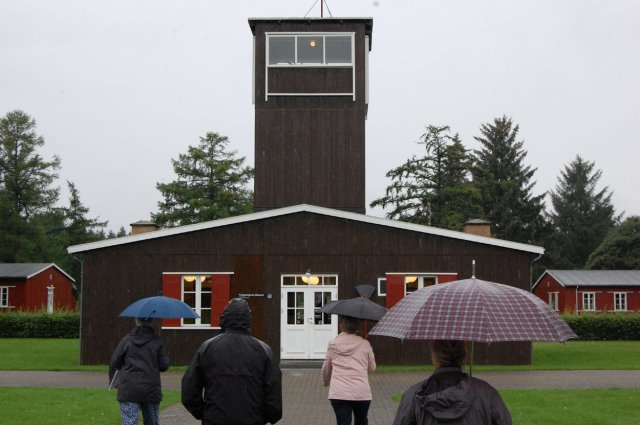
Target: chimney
x=143, y=226
x=478, y=227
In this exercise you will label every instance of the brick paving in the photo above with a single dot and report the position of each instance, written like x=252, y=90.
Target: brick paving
x=305, y=399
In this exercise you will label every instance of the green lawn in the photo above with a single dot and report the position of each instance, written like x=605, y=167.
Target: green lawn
x=573, y=355
x=70, y=406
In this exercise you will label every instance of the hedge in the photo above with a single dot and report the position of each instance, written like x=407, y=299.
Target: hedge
x=60, y=324
x=605, y=326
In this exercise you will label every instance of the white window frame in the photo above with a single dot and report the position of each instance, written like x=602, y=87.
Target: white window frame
x=382, y=280
x=269, y=35
x=4, y=296
x=420, y=278
x=553, y=300
x=620, y=301
x=588, y=301
x=198, y=299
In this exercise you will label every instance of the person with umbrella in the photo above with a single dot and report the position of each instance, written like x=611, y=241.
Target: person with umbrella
x=136, y=364
x=450, y=396
x=345, y=370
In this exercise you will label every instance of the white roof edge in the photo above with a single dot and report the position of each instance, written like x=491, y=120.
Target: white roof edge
x=312, y=209
x=546, y=272
x=49, y=265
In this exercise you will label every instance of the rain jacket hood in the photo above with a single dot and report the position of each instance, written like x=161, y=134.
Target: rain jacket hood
x=236, y=316
x=448, y=403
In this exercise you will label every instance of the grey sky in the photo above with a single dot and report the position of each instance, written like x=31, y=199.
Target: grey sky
x=120, y=87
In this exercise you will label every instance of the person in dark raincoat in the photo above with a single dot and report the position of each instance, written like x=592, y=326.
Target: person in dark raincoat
x=232, y=378
x=450, y=396
x=138, y=360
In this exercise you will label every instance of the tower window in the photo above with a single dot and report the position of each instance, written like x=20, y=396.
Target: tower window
x=334, y=49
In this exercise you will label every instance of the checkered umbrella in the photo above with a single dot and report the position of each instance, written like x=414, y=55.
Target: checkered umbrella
x=473, y=310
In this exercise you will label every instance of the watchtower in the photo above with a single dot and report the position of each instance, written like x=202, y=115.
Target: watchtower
x=310, y=91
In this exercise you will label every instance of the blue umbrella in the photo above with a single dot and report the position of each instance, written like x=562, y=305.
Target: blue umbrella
x=159, y=307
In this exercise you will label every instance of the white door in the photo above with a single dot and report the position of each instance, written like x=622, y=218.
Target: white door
x=305, y=330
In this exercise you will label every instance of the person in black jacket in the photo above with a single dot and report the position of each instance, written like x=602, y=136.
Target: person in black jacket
x=136, y=364
x=232, y=378
x=450, y=396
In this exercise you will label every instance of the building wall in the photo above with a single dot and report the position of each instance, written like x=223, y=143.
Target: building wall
x=570, y=296
x=310, y=149
x=259, y=252
x=31, y=295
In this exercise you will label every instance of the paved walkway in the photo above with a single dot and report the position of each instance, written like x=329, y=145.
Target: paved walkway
x=305, y=399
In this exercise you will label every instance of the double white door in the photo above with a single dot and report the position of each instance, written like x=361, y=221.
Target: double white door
x=305, y=330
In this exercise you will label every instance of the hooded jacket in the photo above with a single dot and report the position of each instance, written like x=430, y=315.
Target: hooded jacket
x=452, y=397
x=232, y=379
x=346, y=367
x=139, y=358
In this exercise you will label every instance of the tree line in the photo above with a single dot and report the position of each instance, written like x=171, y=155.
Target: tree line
x=446, y=186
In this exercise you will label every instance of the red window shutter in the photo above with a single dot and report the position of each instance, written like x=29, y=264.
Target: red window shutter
x=171, y=287
x=444, y=278
x=395, y=289
x=220, y=295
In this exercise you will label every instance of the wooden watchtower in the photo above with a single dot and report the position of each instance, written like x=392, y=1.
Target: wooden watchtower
x=311, y=96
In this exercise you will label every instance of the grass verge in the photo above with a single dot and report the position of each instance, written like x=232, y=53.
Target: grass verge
x=70, y=406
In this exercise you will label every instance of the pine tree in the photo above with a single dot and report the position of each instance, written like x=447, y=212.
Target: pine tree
x=211, y=184
x=433, y=189
x=505, y=184
x=582, y=215
x=620, y=250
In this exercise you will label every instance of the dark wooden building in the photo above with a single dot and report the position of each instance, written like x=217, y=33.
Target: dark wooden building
x=308, y=241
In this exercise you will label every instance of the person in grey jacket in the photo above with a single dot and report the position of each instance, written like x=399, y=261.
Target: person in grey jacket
x=138, y=360
x=450, y=396
x=232, y=378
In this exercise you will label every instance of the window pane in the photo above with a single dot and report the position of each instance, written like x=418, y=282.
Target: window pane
x=291, y=319
x=299, y=316
x=205, y=317
x=289, y=280
x=310, y=50
x=205, y=300
x=300, y=299
x=317, y=299
x=188, y=321
x=338, y=49
x=189, y=283
x=291, y=299
x=382, y=287
x=329, y=280
x=281, y=50
x=190, y=299
x=206, y=283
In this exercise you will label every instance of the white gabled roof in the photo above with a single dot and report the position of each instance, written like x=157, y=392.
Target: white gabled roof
x=601, y=278
x=27, y=270
x=311, y=209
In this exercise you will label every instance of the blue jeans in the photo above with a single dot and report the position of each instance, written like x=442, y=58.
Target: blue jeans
x=345, y=408
x=129, y=412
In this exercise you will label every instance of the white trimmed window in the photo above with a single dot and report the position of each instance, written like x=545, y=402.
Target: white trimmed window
x=620, y=301
x=196, y=292
x=413, y=283
x=310, y=49
x=4, y=296
x=382, y=286
x=553, y=300
x=589, y=301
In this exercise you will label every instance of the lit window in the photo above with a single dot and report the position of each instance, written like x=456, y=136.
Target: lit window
x=413, y=283
x=589, y=301
x=620, y=301
x=196, y=292
x=310, y=49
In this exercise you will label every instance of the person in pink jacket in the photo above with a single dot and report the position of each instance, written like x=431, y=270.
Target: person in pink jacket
x=346, y=371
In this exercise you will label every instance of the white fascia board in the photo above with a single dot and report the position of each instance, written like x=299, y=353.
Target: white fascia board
x=311, y=209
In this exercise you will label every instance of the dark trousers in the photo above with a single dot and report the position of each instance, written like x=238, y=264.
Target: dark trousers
x=345, y=408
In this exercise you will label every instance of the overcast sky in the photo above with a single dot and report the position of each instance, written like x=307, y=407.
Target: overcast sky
x=120, y=87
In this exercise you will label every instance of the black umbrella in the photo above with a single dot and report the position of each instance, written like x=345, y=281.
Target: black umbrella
x=360, y=308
